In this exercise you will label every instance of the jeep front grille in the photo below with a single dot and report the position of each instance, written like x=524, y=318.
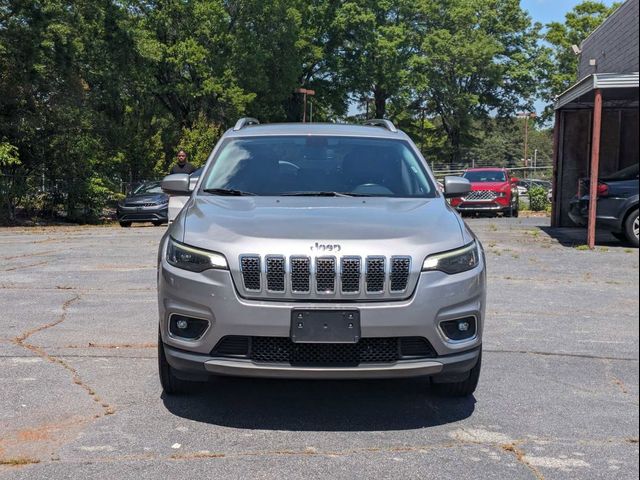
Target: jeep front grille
x=326, y=277
x=480, y=195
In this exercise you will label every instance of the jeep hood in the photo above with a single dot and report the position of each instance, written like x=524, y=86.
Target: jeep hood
x=306, y=225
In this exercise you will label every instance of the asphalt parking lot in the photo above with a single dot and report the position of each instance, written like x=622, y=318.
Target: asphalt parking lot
x=558, y=395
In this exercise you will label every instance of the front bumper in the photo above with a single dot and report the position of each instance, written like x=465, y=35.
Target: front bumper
x=212, y=296
x=481, y=207
x=197, y=366
x=498, y=204
x=158, y=213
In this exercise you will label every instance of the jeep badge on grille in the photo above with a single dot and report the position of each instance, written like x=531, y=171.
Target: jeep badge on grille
x=326, y=247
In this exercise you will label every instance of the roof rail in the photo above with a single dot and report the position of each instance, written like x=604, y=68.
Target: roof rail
x=243, y=122
x=378, y=122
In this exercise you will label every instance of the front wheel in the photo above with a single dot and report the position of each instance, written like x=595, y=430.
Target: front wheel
x=171, y=385
x=465, y=387
x=632, y=228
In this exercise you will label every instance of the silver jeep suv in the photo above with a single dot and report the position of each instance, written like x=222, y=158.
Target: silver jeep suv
x=319, y=251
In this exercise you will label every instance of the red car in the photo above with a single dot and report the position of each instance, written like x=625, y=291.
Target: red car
x=492, y=191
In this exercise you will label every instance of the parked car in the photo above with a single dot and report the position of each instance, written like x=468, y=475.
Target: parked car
x=493, y=191
x=147, y=203
x=176, y=202
x=319, y=251
x=617, y=204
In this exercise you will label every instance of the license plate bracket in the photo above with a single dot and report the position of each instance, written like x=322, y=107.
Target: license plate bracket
x=325, y=326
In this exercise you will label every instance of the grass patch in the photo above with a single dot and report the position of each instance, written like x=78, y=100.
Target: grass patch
x=581, y=247
x=15, y=462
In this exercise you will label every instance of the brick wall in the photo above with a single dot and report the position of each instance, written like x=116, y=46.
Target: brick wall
x=614, y=45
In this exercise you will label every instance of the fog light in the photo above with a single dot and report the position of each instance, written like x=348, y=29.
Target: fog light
x=187, y=327
x=182, y=324
x=459, y=329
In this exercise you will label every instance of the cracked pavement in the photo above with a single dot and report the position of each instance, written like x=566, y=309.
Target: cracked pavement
x=558, y=394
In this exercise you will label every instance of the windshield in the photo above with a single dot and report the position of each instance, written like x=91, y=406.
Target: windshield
x=317, y=165
x=479, y=176
x=149, y=187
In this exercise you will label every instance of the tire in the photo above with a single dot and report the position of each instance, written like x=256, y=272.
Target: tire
x=464, y=388
x=171, y=385
x=509, y=212
x=125, y=224
x=631, y=228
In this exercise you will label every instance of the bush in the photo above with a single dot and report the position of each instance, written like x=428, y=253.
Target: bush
x=538, y=201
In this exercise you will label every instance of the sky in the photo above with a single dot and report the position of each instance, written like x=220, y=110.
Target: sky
x=545, y=11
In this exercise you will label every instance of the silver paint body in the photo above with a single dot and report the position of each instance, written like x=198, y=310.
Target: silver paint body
x=289, y=226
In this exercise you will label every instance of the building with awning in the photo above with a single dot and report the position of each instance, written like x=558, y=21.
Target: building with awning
x=596, y=119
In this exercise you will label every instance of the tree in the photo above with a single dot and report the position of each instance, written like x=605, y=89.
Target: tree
x=560, y=69
x=379, y=39
x=476, y=59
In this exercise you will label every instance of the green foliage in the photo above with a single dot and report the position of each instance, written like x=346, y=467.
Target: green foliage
x=474, y=59
x=98, y=94
x=12, y=186
x=538, y=201
x=9, y=156
x=560, y=69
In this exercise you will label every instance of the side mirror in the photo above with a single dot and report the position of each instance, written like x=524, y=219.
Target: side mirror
x=176, y=184
x=456, y=187
x=514, y=180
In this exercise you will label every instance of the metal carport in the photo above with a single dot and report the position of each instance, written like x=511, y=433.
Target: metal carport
x=596, y=130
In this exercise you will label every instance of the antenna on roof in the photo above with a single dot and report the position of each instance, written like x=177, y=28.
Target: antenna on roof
x=377, y=122
x=245, y=121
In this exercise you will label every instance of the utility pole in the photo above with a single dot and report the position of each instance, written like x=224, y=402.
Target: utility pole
x=526, y=116
x=304, y=92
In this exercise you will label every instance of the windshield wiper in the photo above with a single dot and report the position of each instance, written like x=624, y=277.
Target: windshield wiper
x=227, y=191
x=324, y=194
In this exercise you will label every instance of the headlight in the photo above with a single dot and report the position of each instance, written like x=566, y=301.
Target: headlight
x=193, y=259
x=455, y=261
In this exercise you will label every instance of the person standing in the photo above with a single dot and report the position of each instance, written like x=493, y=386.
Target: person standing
x=182, y=166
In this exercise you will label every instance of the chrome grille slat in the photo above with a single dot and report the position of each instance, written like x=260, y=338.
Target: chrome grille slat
x=250, y=266
x=275, y=273
x=350, y=274
x=300, y=274
x=325, y=274
x=399, y=276
x=375, y=275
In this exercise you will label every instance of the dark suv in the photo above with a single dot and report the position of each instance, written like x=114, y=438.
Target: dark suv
x=617, y=207
x=147, y=203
